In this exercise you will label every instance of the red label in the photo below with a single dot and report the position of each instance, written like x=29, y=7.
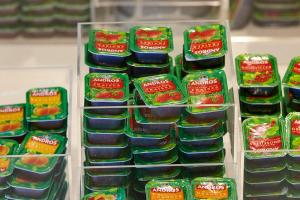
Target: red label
x=206, y=47
x=111, y=48
x=152, y=44
x=11, y=110
x=296, y=69
x=273, y=143
x=106, y=83
x=256, y=66
x=158, y=86
x=295, y=127
x=108, y=37
x=207, y=86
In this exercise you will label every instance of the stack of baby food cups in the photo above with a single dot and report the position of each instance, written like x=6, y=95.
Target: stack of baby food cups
x=104, y=129
x=107, y=51
x=202, y=127
x=9, y=18
x=47, y=110
x=151, y=132
x=150, y=47
x=264, y=163
x=38, y=177
x=68, y=13
x=259, y=85
x=38, y=18
x=291, y=86
x=293, y=158
x=278, y=12
x=204, y=48
x=12, y=122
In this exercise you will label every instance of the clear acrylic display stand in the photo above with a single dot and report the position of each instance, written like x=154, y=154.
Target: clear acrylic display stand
x=14, y=82
x=231, y=139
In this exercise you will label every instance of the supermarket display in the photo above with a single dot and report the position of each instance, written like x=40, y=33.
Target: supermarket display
x=125, y=69
x=42, y=18
x=40, y=127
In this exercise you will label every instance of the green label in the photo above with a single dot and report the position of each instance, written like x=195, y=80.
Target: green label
x=205, y=41
x=107, y=87
x=206, y=88
x=46, y=103
x=151, y=39
x=292, y=75
x=109, y=42
x=160, y=90
x=253, y=70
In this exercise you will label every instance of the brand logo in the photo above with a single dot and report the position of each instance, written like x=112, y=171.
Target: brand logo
x=44, y=93
x=45, y=140
x=256, y=66
x=11, y=109
x=211, y=187
x=166, y=189
x=158, y=86
x=204, y=86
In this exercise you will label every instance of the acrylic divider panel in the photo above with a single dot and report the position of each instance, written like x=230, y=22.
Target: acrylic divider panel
x=109, y=141
x=35, y=132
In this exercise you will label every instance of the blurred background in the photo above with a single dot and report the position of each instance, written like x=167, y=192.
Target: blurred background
x=43, y=32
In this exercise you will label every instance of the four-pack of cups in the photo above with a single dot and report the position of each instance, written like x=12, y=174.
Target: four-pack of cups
x=259, y=85
x=40, y=127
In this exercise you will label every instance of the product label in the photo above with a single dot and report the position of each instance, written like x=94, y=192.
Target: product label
x=45, y=96
x=158, y=86
x=11, y=113
x=149, y=39
x=42, y=144
x=110, y=42
x=103, y=197
x=106, y=83
x=204, y=86
x=295, y=126
x=296, y=69
x=166, y=193
x=265, y=136
x=211, y=191
x=256, y=66
x=204, y=48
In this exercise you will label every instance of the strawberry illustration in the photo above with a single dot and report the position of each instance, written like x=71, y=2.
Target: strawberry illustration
x=161, y=98
x=148, y=33
x=104, y=95
x=176, y=96
x=202, y=34
x=108, y=37
x=218, y=99
x=118, y=94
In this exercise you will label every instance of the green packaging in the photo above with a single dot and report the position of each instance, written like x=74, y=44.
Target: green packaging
x=263, y=134
x=169, y=189
x=160, y=90
x=206, y=88
x=44, y=104
x=291, y=80
x=106, y=87
x=12, y=121
x=106, y=42
x=107, y=194
x=7, y=147
x=40, y=143
x=151, y=39
x=214, y=188
x=205, y=42
x=257, y=70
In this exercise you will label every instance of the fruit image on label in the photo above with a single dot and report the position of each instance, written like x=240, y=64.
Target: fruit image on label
x=45, y=96
x=293, y=73
x=108, y=87
x=4, y=150
x=205, y=41
x=166, y=193
x=47, y=110
x=42, y=145
x=103, y=197
x=4, y=164
x=38, y=161
x=211, y=191
x=108, y=42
